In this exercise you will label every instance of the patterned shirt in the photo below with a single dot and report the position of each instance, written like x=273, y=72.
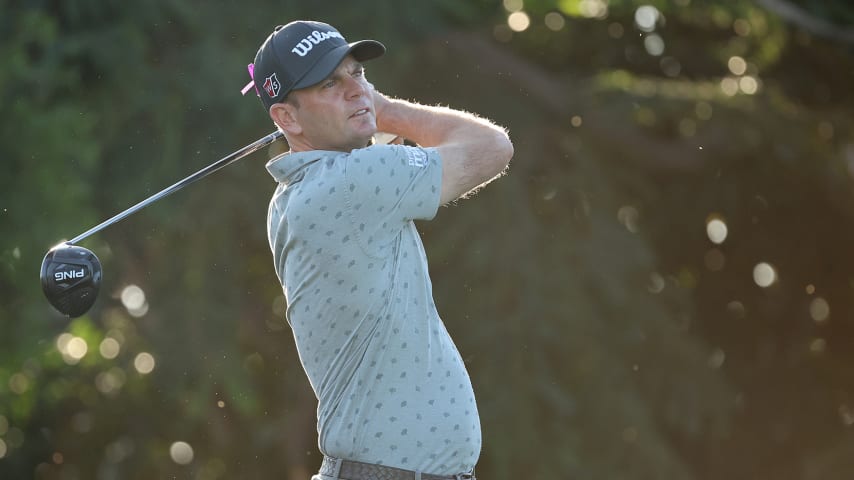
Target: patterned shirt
x=391, y=386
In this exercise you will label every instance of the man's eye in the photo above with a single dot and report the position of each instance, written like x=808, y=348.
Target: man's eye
x=359, y=72
x=329, y=84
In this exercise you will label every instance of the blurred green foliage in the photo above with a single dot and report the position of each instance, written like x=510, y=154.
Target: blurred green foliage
x=607, y=336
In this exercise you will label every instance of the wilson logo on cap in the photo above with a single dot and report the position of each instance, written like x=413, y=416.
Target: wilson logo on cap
x=306, y=44
x=272, y=86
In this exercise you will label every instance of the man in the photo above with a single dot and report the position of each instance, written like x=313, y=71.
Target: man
x=395, y=400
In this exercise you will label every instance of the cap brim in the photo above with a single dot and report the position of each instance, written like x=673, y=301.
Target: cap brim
x=362, y=50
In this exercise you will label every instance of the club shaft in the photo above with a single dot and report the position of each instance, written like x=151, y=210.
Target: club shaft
x=219, y=164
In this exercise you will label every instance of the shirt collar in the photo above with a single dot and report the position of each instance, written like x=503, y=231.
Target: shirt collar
x=289, y=167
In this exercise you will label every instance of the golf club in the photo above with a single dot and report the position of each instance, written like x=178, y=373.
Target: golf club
x=71, y=275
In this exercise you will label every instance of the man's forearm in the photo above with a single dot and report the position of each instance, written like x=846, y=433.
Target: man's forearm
x=431, y=126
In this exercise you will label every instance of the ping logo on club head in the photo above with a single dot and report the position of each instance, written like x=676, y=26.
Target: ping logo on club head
x=272, y=86
x=69, y=275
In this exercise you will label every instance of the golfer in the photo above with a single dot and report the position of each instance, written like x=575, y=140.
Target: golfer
x=394, y=398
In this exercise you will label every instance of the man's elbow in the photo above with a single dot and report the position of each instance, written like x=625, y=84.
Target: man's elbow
x=503, y=150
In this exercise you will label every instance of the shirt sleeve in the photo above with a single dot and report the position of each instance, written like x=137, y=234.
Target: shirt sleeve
x=398, y=182
x=387, y=186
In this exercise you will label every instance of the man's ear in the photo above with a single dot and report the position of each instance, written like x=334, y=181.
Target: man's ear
x=283, y=115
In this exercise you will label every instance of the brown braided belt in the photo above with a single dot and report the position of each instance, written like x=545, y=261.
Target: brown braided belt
x=349, y=470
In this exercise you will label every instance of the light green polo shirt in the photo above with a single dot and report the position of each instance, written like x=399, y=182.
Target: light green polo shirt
x=391, y=386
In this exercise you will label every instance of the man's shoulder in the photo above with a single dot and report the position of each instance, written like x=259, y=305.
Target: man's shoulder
x=392, y=155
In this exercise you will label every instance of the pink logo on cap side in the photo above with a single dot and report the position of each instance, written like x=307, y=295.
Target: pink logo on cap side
x=272, y=86
x=251, y=83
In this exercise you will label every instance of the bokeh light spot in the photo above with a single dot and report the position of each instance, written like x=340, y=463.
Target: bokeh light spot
x=554, y=21
x=119, y=449
x=703, y=110
x=628, y=216
x=513, y=5
x=518, y=21
x=846, y=414
x=656, y=283
x=181, y=453
x=764, y=274
x=687, y=127
x=133, y=298
x=144, y=363
x=62, y=342
x=646, y=16
x=72, y=348
x=77, y=347
x=716, y=358
x=736, y=309
x=19, y=383
x=748, y=84
x=716, y=230
x=109, y=348
x=654, y=45
x=615, y=30
x=111, y=381
x=741, y=27
x=729, y=86
x=3, y=448
x=593, y=8
x=819, y=310
x=737, y=65
x=818, y=346
x=670, y=66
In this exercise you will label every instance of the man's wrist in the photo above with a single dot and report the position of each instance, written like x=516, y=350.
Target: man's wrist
x=388, y=116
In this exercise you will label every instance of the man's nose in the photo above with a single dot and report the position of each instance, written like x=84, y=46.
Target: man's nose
x=355, y=88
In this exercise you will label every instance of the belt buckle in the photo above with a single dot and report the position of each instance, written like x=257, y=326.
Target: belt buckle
x=464, y=476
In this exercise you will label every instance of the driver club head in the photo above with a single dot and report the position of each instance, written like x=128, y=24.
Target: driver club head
x=71, y=279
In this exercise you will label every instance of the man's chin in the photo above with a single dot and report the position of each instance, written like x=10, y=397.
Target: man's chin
x=361, y=142
x=365, y=124
x=365, y=137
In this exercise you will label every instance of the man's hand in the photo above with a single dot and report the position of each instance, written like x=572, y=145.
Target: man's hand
x=380, y=104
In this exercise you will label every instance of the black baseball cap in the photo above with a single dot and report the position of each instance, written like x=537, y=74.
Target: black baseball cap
x=301, y=54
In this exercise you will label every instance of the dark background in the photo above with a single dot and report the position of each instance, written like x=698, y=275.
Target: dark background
x=607, y=335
